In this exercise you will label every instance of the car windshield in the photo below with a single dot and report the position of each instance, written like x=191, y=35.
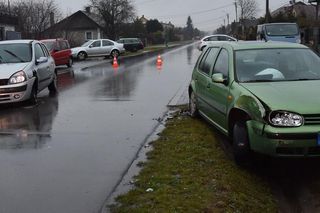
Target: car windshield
x=86, y=44
x=15, y=53
x=49, y=44
x=282, y=30
x=264, y=65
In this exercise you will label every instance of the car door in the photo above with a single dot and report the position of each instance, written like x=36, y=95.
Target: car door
x=43, y=68
x=64, y=52
x=107, y=46
x=94, y=48
x=202, y=78
x=218, y=92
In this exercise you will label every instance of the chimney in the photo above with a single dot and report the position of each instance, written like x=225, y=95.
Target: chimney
x=88, y=9
x=51, y=19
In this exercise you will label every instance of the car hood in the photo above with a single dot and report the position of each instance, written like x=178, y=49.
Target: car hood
x=296, y=96
x=7, y=70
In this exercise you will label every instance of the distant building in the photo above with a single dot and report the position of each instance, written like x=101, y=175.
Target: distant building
x=8, y=24
x=143, y=20
x=167, y=26
x=77, y=28
x=298, y=9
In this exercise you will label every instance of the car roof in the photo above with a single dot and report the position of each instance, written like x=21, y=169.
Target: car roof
x=245, y=45
x=278, y=23
x=22, y=41
x=58, y=39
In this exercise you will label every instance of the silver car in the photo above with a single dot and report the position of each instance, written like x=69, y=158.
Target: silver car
x=100, y=47
x=26, y=68
x=211, y=39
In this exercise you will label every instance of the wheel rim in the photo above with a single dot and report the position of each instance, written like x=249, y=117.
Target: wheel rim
x=81, y=56
x=115, y=53
x=192, y=104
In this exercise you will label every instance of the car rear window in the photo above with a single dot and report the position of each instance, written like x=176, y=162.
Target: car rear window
x=49, y=45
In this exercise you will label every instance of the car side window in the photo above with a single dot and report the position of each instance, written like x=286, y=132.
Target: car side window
x=213, y=38
x=106, y=43
x=63, y=45
x=96, y=44
x=222, y=63
x=38, y=51
x=208, y=60
x=45, y=50
x=222, y=38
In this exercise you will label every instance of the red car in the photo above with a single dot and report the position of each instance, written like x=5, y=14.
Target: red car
x=60, y=51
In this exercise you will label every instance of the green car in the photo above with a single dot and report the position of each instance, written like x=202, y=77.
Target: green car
x=263, y=95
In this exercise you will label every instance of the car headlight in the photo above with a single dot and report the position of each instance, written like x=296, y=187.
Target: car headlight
x=285, y=119
x=18, y=77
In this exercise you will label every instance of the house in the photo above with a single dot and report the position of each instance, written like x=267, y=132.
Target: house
x=143, y=20
x=167, y=26
x=8, y=24
x=78, y=28
x=298, y=9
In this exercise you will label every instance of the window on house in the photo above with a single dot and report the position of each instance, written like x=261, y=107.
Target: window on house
x=89, y=35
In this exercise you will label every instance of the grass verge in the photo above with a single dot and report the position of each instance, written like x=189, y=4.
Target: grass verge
x=189, y=172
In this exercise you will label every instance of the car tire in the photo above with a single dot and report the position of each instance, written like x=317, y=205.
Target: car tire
x=114, y=53
x=241, y=145
x=70, y=62
x=53, y=89
x=82, y=56
x=193, y=109
x=33, y=96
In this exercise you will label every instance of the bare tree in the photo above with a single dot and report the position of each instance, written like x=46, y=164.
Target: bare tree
x=33, y=15
x=114, y=13
x=248, y=8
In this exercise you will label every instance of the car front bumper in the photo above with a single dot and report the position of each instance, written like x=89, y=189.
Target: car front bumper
x=284, y=142
x=16, y=93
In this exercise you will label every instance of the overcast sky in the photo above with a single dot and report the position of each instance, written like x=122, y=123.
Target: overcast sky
x=205, y=14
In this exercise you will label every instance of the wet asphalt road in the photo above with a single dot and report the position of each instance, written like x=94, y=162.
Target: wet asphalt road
x=67, y=153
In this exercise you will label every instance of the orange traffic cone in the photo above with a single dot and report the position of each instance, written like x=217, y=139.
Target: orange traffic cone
x=159, y=60
x=115, y=63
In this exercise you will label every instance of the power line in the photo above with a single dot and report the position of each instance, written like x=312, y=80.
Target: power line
x=195, y=12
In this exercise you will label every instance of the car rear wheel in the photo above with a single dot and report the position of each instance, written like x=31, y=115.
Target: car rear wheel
x=193, y=105
x=82, y=55
x=241, y=144
x=70, y=62
x=53, y=85
x=114, y=53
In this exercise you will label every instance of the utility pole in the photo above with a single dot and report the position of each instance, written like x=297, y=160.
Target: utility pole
x=236, y=7
x=228, y=18
x=267, y=11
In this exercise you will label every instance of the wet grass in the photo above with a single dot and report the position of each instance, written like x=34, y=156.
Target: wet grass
x=188, y=171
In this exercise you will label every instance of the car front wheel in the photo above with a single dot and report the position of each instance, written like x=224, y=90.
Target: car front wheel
x=241, y=145
x=115, y=53
x=82, y=56
x=193, y=105
x=53, y=85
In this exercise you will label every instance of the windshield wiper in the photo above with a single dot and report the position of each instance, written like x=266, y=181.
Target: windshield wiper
x=14, y=55
x=305, y=79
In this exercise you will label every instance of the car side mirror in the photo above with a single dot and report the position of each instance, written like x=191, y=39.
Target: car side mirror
x=218, y=78
x=41, y=60
x=91, y=46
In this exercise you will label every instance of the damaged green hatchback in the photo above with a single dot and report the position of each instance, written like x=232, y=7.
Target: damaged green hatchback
x=263, y=95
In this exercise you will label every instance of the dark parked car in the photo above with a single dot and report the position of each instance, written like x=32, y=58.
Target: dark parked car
x=131, y=44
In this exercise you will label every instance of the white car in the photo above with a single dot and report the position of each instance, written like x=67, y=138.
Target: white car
x=99, y=47
x=214, y=38
x=26, y=69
